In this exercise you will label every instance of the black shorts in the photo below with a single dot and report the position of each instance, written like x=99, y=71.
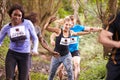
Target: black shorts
x=75, y=53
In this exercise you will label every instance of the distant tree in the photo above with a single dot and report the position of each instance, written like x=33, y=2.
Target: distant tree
x=2, y=11
x=75, y=7
x=44, y=8
x=103, y=10
x=47, y=9
x=110, y=11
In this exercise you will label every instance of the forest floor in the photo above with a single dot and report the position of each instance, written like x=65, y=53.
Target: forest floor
x=40, y=63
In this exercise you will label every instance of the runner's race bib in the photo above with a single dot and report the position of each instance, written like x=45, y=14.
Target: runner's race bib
x=73, y=40
x=17, y=33
x=65, y=41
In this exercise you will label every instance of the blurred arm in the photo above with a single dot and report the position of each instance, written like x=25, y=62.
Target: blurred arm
x=44, y=43
x=52, y=39
x=79, y=33
x=46, y=46
x=92, y=29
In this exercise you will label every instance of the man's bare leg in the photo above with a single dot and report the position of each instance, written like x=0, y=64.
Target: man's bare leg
x=76, y=64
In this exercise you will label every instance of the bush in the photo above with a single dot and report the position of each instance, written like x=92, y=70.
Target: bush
x=94, y=70
x=93, y=66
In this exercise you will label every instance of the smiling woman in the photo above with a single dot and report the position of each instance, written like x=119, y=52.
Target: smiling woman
x=20, y=31
x=16, y=17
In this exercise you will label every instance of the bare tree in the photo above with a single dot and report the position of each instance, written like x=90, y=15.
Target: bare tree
x=105, y=16
x=44, y=8
x=75, y=7
x=2, y=11
x=104, y=13
x=47, y=9
x=110, y=11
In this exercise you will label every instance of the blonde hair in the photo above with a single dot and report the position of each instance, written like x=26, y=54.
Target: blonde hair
x=60, y=22
x=67, y=19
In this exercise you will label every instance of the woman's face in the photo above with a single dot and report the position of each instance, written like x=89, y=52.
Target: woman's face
x=67, y=25
x=16, y=17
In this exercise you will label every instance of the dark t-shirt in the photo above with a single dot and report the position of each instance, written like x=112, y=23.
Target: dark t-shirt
x=115, y=29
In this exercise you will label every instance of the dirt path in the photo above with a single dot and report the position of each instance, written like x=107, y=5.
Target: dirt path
x=43, y=65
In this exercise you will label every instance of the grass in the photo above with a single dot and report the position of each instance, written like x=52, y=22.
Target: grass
x=38, y=76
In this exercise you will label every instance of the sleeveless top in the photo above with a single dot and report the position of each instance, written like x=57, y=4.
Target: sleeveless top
x=62, y=47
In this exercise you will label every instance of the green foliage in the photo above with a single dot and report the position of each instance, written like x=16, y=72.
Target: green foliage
x=66, y=9
x=38, y=76
x=118, y=4
x=92, y=62
x=95, y=70
x=62, y=13
x=67, y=5
x=3, y=51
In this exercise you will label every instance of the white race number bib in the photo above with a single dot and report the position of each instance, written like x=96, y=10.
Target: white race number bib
x=65, y=41
x=73, y=40
x=17, y=31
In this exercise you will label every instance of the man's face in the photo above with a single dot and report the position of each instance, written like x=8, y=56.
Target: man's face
x=72, y=22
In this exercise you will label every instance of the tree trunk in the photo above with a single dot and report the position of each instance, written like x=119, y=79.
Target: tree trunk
x=2, y=11
x=110, y=12
x=85, y=12
x=75, y=7
x=47, y=9
x=112, y=6
x=44, y=8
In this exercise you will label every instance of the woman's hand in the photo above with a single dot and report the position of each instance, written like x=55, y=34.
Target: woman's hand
x=55, y=54
x=34, y=53
x=52, y=19
x=52, y=43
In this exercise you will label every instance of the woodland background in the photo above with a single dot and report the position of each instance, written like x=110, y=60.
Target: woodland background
x=93, y=13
